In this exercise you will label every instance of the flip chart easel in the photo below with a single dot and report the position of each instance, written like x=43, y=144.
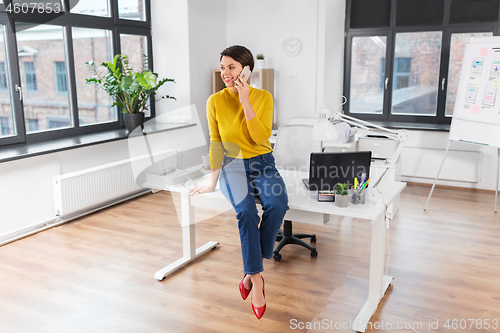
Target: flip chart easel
x=476, y=117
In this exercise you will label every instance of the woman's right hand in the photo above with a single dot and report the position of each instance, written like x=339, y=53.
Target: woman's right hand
x=201, y=189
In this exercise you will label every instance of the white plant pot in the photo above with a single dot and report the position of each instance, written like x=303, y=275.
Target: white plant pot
x=341, y=200
x=260, y=63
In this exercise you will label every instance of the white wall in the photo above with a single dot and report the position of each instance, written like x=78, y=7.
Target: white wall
x=170, y=29
x=207, y=38
x=333, y=81
x=188, y=36
x=269, y=23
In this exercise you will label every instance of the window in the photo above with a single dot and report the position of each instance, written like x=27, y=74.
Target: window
x=415, y=92
x=61, y=82
x=4, y=126
x=92, y=7
x=45, y=44
x=367, y=67
x=473, y=11
x=30, y=76
x=56, y=122
x=131, y=9
x=43, y=90
x=404, y=63
x=94, y=105
x=32, y=124
x=3, y=77
x=369, y=13
x=419, y=13
x=135, y=47
x=402, y=71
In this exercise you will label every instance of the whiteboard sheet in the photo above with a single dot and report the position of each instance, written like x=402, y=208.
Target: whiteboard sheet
x=476, y=117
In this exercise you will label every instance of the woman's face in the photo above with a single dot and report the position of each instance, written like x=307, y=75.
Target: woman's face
x=230, y=69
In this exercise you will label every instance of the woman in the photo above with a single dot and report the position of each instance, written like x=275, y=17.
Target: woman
x=240, y=120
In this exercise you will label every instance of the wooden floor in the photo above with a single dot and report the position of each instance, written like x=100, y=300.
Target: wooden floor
x=95, y=274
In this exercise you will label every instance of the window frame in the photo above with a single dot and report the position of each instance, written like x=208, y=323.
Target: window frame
x=391, y=32
x=113, y=24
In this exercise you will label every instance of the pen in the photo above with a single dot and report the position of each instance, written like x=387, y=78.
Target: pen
x=363, y=178
x=365, y=184
x=355, y=182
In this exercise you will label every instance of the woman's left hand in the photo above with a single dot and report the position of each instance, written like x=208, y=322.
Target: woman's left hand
x=243, y=89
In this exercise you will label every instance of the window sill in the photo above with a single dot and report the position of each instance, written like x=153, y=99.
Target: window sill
x=412, y=126
x=26, y=150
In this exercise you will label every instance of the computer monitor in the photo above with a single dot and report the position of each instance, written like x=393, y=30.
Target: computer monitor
x=328, y=169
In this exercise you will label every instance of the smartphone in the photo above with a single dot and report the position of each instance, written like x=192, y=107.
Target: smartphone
x=246, y=71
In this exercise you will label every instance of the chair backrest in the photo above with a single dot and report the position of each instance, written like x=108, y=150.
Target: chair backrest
x=294, y=146
x=303, y=120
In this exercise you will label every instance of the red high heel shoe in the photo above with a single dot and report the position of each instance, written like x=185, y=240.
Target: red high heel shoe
x=259, y=311
x=243, y=290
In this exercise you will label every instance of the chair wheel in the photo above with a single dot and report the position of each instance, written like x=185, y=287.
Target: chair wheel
x=313, y=239
x=277, y=256
x=314, y=253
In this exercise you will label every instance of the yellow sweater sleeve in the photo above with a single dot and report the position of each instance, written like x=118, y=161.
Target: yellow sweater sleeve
x=260, y=126
x=216, y=147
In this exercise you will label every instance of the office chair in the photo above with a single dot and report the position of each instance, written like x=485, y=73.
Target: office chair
x=292, y=152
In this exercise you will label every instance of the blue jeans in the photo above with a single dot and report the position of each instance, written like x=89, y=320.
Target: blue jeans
x=241, y=181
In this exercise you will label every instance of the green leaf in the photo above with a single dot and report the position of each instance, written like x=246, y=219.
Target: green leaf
x=117, y=103
x=341, y=188
x=147, y=80
x=126, y=82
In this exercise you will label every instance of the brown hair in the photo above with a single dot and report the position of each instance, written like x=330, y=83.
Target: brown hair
x=240, y=54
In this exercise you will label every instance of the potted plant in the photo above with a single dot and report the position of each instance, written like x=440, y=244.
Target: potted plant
x=341, y=195
x=260, y=61
x=131, y=90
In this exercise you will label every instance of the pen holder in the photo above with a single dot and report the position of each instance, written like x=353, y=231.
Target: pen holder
x=357, y=197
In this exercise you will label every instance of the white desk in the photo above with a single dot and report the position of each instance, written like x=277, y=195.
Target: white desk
x=304, y=207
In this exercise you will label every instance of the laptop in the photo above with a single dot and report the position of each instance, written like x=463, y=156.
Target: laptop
x=328, y=169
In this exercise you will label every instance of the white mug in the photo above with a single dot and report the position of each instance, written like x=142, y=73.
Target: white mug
x=205, y=158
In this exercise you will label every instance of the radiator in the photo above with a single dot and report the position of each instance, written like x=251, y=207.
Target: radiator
x=94, y=187
x=462, y=166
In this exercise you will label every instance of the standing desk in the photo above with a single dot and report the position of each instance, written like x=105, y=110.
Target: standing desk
x=305, y=208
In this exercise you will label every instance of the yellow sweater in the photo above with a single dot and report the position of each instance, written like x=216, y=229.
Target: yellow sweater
x=231, y=133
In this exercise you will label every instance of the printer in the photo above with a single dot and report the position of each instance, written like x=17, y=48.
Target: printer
x=382, y=148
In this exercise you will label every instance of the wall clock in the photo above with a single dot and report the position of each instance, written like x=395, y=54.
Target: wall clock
x=292, y=46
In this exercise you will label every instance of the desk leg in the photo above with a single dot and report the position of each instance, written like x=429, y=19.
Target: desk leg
x=189, y=250
x=379, y=282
